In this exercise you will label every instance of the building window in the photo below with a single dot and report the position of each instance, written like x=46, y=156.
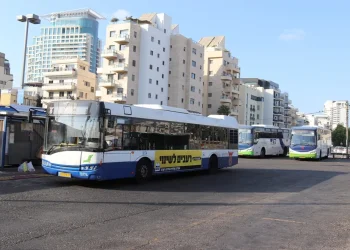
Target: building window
x=194, y=63
x=157, y=82
x=157, y=69
x=193, y=88
x=61, y=94
x=134, y=63
x=161, y=89
x=169, y=85
x=258, y=107
x=161, y=103
x=150, y=66
x=120, y=90
x=134, y=48
x=156, y=96
x=183, y=61
x=51, y=94
x=209, y=106
x=169, y=72
x=87, y=84
x=158, y=55
x=199, y=91
x=135, y=34
x=210, y=94
x=133, y=78
x=122, y=47
x=194, y=51
x=163, y=63
x=191, y=101
x=170, y=59
x=168, y=98
x=257, y=116
x=163, y=76
x=69, y=93
x=164, y=30
x=183, y=74
x=193, y=75
x=151, y=52
x=182, y=100
x=111, y=33
x=150, y=80
x=81, y=94
x=92, y=89
x=200, y=66
x=199, y=103
x=210, y=73
x=183, y=87
x=200, y=55
x=200, y=79
x=152, y=39
x=85, y=95
x=211, y=61
x=158, y=41
x=163, y=49
x=51, y=81
x=61, y=81
x=171, y=46
x=184, y=48
x=109, y=91
x=132, y=92
x=149, y=95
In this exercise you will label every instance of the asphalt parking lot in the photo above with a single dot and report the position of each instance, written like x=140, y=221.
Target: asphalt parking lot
x=271, y=203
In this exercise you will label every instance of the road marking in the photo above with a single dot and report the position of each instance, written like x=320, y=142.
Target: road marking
x=281, y=220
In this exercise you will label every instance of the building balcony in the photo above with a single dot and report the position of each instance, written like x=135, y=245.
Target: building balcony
x=252, y=110
x=59, y=86
x=120, y=67
x=117, y=98
x=109, y=54
x=226, y=77
x=61, y=73
x=122, y=39
x=233, y=68
x=278, y=97
x=225, y=100
x=98, y=93
x=234, y=111
x=107, y=83
x=55, y=98
x=105, y=70
x=235, y=101
x=236, y=81
x=277, y=112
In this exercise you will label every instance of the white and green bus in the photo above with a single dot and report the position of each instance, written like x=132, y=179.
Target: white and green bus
x=262, y=140
x=310, y=142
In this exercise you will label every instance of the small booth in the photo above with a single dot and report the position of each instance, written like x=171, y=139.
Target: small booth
x=21, y=134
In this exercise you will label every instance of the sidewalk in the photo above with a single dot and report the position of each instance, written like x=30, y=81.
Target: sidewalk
x=11, y=173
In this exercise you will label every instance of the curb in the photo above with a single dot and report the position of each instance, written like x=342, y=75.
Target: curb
x=21, y=177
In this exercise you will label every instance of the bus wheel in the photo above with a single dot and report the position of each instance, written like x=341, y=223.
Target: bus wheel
x=213, y=165
x=143, y=171
x=326, y=157
x=285, y=151
x=262, y=153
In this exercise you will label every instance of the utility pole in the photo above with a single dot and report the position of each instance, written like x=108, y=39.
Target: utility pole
x=347, y=129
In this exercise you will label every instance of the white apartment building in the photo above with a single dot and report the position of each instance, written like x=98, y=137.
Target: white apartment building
x=221, y=77
x=185, y=72
x=70, y=34
x=252, y=109
x=321, y=120
x=69, y=79
x=6, y=78
x=136, y=61
x=336, y=111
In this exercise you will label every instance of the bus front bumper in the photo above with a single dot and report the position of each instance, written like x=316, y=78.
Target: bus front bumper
x=68, y=173
x=303, y=155
x=245, y=152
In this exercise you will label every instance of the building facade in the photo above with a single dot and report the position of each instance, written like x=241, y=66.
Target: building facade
x=69, y=79
x=321, y=120
x=8, y=97
x=336, y=111
x=6, y=78
x=70, y=34
x=136, y=61
x=186, y=64
x=221, y=77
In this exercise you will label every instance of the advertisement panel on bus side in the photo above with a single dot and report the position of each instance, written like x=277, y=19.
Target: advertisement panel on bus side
x=170, y=160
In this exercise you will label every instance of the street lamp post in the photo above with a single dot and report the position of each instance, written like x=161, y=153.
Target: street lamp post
x=30, y=18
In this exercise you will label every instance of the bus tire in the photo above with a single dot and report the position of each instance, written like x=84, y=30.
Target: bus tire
x=213, y=165
x=285, y=151
x=262, y=153
x=144, y=170
x=326, y=157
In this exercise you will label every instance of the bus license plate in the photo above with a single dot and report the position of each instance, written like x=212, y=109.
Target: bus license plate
x=66, y=175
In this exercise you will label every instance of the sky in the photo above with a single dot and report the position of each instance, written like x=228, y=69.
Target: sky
x=303, y=45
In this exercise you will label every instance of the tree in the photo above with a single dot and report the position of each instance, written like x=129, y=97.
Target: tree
x=38, y=101
x=339, y=136
x=114, y=20
x=224, y=110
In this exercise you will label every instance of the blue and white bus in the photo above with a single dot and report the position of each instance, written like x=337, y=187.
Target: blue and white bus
x=261, y=140
x=101, y=141
x=310, y=142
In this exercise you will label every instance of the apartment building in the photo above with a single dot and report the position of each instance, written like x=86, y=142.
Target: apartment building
x=221, y=76
x=301, y=119
x=336, y=111
x=70, y=34
x=321, y=120
x=252, y=109
x=69, y=79
x=136, y=61
x=186, y=64
x=6, y=78
x=8, y=97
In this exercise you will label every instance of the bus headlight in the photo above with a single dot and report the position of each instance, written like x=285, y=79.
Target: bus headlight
x=88, y=168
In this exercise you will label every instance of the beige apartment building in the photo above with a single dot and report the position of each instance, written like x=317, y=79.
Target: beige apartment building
x=186, y=72
x=68, y=79
x=221, y=77
x=136, y=61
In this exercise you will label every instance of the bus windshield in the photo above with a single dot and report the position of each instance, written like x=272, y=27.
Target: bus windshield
x=245, y=136
x=76, y=129
x=303, y=138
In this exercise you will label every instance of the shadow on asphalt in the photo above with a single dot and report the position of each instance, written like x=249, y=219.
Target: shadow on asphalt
x=225, y=181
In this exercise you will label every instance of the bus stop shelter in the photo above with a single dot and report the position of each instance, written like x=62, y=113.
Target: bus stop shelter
x=20, y=138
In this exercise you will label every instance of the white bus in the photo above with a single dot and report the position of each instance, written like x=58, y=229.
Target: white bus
x=101, y=141
x=310, y=142
x=262, y=140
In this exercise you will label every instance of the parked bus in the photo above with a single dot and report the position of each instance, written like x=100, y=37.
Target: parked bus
x=310, y=142
x=101, y=141
x=262, y=140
